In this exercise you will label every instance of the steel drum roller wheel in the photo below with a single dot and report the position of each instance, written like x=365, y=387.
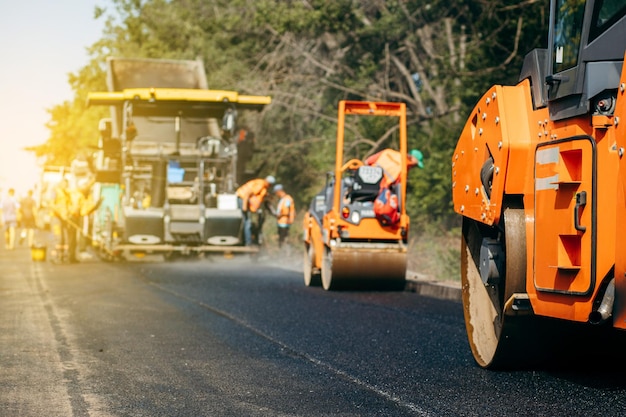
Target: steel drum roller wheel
x=327, y=269
x=494, y=337
x=352, y=269
x=311, y=274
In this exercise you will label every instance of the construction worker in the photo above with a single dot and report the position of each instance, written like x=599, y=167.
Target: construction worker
x=84, y=204
x=386, y=206
x=10, y=210
x=28, y=209
x=61, y=207
x=250, y=198
x=71, y=205
x=285, y=213
x=389, y=161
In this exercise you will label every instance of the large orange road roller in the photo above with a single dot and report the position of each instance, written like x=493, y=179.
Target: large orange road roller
x=539, y=176
x=347, y=245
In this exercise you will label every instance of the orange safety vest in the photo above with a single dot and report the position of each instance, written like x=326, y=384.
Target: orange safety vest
x=285, y=211
x=253, y=193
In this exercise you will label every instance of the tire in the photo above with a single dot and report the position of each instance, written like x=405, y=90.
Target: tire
x=496, y=340
x=312, y=276
x=327, y=270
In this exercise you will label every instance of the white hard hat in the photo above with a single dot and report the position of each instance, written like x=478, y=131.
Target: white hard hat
x=270, y=179
x=278, y=187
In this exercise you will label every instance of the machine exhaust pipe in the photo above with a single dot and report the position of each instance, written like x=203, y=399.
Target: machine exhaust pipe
x=605, y=310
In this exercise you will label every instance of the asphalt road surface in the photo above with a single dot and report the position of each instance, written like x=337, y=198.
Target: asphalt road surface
x=239, y=337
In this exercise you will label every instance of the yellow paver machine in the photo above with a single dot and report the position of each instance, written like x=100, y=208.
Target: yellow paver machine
x=166, y=168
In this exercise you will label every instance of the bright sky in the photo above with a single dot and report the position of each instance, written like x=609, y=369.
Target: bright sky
x=41, y=42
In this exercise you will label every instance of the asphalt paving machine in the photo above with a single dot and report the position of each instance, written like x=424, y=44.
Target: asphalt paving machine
x=346, y=245
x=166, y=166
x=539, y=176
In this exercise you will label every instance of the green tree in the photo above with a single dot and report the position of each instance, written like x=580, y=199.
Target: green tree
x=437, y=56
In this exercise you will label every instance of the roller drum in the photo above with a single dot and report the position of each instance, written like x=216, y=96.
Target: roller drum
x=349, y=267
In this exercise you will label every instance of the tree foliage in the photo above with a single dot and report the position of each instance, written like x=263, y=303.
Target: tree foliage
x=437, y=56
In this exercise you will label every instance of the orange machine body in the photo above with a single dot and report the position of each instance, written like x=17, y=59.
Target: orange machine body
x=571, y=177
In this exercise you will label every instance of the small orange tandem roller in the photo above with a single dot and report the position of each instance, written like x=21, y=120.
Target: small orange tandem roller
x=346, y=243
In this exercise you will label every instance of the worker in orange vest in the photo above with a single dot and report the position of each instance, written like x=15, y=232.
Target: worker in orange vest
x=386, y=204
x=389, y=161
x=250, y=197
x=285, y=213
